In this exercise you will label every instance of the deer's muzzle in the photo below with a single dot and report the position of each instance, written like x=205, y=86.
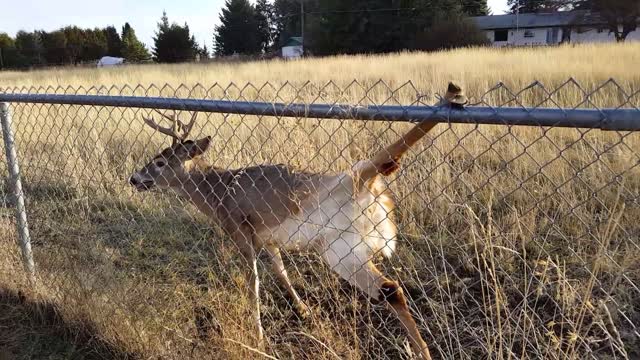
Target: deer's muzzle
x=141, y=185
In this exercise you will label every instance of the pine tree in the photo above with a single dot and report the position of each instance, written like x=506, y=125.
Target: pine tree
x=173, y=43
x=132, y=49
x=285, y=25
x=238, y=32
x=264, y=19
x=204, y=53
x=114, y=43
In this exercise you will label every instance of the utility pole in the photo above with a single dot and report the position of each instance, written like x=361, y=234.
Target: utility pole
x=1, y=60
x=517, y=15
x=302, y=24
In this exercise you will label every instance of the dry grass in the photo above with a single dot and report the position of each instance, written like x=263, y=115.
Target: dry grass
x=516, y=242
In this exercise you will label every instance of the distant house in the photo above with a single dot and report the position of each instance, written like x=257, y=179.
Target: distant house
x=110, y=61
x=547, y=28
x=293, y=48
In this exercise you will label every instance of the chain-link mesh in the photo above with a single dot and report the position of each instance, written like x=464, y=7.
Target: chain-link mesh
x=512, y=241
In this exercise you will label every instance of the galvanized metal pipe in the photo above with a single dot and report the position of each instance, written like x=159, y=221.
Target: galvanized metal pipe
x=605, y=119
x=16, y=187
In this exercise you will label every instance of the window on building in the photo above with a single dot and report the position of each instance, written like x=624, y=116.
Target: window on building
x=500, y=35
x=529, y=34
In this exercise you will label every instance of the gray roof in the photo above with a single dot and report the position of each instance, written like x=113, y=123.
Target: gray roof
x=560, y=18
x=294, y=41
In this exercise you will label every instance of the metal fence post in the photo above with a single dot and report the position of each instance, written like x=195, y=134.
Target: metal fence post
x=16, y=188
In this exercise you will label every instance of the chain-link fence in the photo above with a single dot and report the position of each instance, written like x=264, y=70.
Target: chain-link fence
x=512, y=241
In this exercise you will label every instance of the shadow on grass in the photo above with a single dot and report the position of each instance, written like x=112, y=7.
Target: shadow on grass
x=36, y=330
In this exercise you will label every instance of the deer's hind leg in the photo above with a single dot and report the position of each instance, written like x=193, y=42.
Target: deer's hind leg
x=353, y=264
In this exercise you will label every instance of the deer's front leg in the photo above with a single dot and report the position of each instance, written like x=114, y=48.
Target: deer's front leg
x=281, y=274
x=243, y=238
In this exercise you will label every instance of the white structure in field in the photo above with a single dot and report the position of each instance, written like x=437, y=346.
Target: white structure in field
x=293, y=49
x=110, y=61
x=547, y=28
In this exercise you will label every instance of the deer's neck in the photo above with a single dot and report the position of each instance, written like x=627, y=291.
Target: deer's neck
x=204, y=187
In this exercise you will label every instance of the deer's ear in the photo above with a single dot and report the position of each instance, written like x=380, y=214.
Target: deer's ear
x=197, y=147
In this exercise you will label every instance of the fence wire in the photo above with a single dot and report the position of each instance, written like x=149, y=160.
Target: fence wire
x=513, y=241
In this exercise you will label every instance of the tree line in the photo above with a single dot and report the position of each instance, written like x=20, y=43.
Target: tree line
x=69, y=45
x=74, y=45
x=621, y=16
x=347, y=27
x=331, y=27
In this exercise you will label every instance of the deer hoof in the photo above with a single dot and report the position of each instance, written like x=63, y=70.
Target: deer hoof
x=304, y=312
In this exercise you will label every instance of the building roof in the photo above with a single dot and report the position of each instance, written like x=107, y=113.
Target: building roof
x=294, y=41
x=560, y=18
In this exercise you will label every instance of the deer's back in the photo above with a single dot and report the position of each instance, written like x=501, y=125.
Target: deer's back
x=265, y=195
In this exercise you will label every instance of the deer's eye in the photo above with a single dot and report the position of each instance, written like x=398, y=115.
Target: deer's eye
x=160, y=163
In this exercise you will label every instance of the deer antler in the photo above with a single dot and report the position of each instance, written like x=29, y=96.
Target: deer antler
x=178, y=131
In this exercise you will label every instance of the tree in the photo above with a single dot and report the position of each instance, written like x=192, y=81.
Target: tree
x=475, y=7
x=6, y=41
x=114, y=42
x=582, y=4
x=621, y=16
x=204, y=52
x=264, y=19
x=525, y=6
x=238, y=32
x=451, y=32
x=132, y=49
x=95, y=44
x=8, y=51
x=352, y=27
x=55, y=47
x=286, y=21
x=29, y=48
x=73, y=44
x=534, y=6
x=173, y=43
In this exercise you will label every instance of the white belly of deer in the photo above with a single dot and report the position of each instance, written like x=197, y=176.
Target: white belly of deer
x=327, y=211
x=334, y=219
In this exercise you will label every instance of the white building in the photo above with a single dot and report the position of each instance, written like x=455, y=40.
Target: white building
x=547, y=28
x=110, y=61
x=293, y=48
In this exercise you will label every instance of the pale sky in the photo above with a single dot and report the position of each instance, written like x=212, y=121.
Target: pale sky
x=143, y=15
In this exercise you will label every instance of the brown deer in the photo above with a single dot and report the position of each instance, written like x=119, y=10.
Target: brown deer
x=346, y=218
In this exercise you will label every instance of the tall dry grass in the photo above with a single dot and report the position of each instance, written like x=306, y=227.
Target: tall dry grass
x=516, y=242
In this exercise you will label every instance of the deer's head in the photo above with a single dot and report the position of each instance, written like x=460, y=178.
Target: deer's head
x=168, y=168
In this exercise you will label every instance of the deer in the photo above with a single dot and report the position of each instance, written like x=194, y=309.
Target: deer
x=346, y=217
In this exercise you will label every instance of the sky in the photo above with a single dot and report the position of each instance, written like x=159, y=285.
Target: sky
x=143, y=15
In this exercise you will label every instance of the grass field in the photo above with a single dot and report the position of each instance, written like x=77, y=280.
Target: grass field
x=515, y=242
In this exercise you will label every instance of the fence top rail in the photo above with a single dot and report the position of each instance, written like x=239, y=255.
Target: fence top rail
x=606, y=119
